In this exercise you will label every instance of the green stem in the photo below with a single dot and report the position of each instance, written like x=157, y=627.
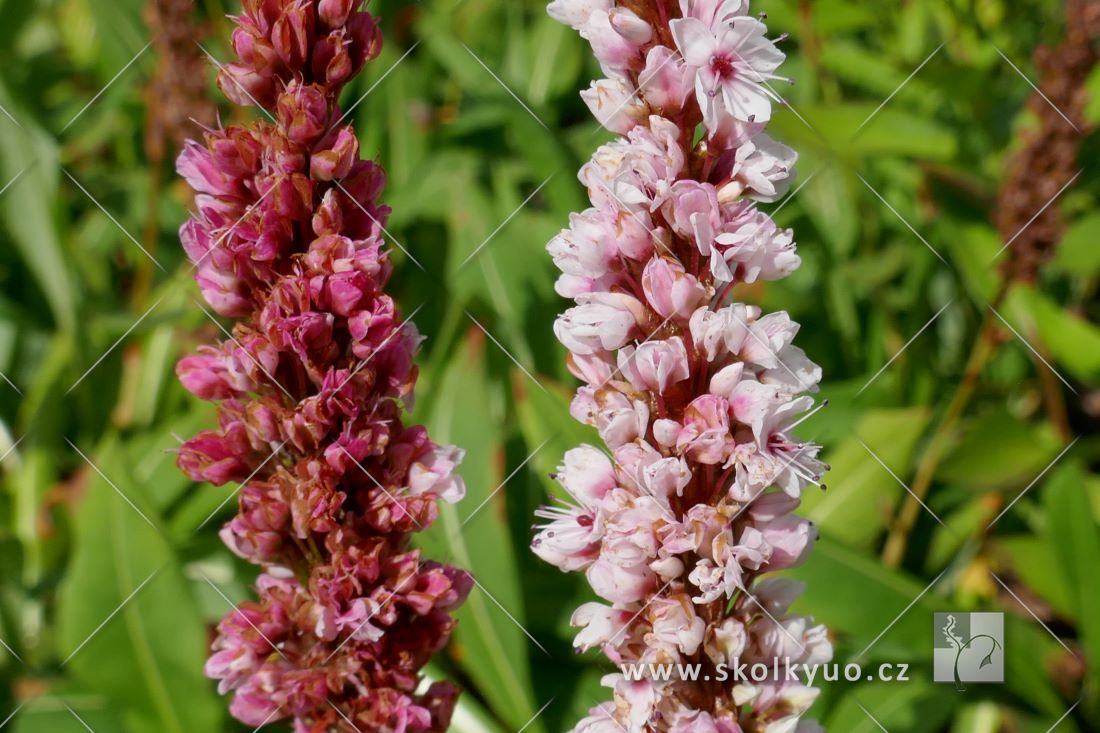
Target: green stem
x=984, y=347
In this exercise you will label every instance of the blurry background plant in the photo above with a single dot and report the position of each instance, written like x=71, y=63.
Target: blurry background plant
x=111, y=569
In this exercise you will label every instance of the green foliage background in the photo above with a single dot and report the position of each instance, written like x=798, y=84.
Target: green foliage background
x=463, y=156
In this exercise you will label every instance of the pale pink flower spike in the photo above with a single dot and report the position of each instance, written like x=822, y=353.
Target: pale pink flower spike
x=696, y=397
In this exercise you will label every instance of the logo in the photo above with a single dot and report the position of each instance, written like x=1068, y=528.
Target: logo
x=969, y=647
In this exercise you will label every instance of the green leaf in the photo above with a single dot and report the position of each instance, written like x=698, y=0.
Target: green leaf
x=1034, y=561
x=832, y=17
x=916, y=706
x=891, y=131
x=489, y=642
x=973, y=248
x=861, y=492
x=13, y=14
x=557, y=57
x=963, y=523
x=153, y=465
x=829, y=201
x=122, y=32
x=1075, y=537
x=1072, y=341
x=1092, y=106
x=998, y=451
x=982, y=717
x=50, y=715
x=29, y=166
x=835, y=575
x=858, y=65
x=469, y=716
x=544, y=420
x=1077, y=253
x=147, y=657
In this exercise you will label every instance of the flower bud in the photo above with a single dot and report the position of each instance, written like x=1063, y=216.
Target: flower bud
x=304, y=111
x=628, y=25
x=670, y=290
x=336, y=162
x=334, y=13
x=615, y=105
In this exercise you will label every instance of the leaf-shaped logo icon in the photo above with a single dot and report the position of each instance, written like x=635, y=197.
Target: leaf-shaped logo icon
x=949, y=632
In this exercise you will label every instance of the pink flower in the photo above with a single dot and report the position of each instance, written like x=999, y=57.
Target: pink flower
x=654, y=366
x=619, y=419
x=620, y=583
x=570, y=539
x=670, y=290
x=601, y=624
x=612, y=35
x=664, y=83
x=602, y=321
x=676, y=627
x=434, y=473
x=614, y=104
x=705, y=435
x=587, y=255
x=756, y=249
x=587, y=474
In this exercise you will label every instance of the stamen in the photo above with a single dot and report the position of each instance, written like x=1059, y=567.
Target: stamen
x=808, y=415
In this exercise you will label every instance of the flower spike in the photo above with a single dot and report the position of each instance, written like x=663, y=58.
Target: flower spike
x=680, y=522
x=286, y=239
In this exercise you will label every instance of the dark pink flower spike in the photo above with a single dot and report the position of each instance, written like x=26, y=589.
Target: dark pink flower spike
x=310, y=387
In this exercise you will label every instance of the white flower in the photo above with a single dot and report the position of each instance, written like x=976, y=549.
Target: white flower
x=575, y=13
x=761, y=168
x=733, y=63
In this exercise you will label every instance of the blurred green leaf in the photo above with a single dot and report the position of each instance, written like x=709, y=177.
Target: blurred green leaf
x=153, y=462
x=1075, y=538
x=122, y=33
x=469, y=716
x=982, y=717
x=557, y=56
x=545, y=420
x=13, y=14
x=917, y=706
x=1072, y=341
x=890, y=131
x=127, y=621
x=972, y=250
x=861, y=492
x=829, y=201
x=29, y=165
x=901, y=610
x=1035, y=562
x=490, y=645
x=998, y=450
x=958, y=527
x=835, y=575
x=1077, y=253
x=68, y=715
